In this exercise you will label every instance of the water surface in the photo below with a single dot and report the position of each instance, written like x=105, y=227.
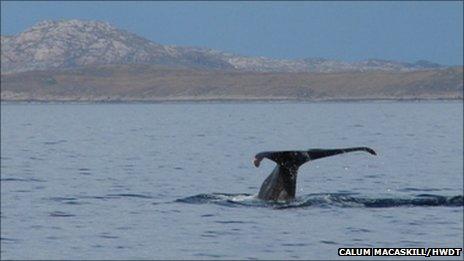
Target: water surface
x=147, y=181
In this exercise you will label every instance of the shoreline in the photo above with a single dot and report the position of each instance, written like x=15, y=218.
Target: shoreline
x=225, y=100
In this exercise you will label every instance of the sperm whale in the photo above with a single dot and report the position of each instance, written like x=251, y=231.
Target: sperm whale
x=281, y=183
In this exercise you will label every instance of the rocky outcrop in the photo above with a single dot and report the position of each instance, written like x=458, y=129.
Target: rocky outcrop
x=75, y=43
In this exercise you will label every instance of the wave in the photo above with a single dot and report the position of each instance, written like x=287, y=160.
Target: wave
x=346, y=200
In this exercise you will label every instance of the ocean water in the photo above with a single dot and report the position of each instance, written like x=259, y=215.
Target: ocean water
x=175, y=180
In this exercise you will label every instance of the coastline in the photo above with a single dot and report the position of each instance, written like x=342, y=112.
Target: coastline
x=231, y=100
x=126, y=84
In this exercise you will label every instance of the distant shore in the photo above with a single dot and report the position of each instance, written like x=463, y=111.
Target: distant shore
x=228, y=100
x=130, y=83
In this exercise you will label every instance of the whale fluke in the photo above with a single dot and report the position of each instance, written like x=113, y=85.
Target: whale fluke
x=281, y=183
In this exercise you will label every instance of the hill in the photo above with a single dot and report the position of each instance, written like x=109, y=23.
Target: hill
x=95, y=61
x=70, y=44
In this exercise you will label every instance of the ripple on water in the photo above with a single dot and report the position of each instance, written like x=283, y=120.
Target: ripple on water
x=22, y=179
x=61, y=198
x=128, y=195
x=408, y=189
x=294, y=244
x=207, y=255
x=230, y=222
x=358, y=230
x=60, y=214
x=328, y=242
x=8, y=240
x=107, y=236
x=36, y=158
x=124, y=228
x=66, y=200
x=54, y=142
x=96, y=197
x=84, y=171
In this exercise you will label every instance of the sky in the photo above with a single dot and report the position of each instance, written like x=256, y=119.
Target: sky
x=349, y=31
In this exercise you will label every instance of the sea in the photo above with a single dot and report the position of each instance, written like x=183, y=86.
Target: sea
x=176, y=180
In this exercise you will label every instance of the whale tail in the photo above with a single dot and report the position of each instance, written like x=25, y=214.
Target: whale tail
x=281, y=183
x=294, y=159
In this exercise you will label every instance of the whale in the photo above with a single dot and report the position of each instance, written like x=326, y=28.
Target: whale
x=280, y=185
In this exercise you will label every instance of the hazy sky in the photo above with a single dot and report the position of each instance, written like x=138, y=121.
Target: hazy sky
x=404, y=31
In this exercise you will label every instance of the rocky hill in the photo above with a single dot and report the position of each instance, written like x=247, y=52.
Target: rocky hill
x=74, y=43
